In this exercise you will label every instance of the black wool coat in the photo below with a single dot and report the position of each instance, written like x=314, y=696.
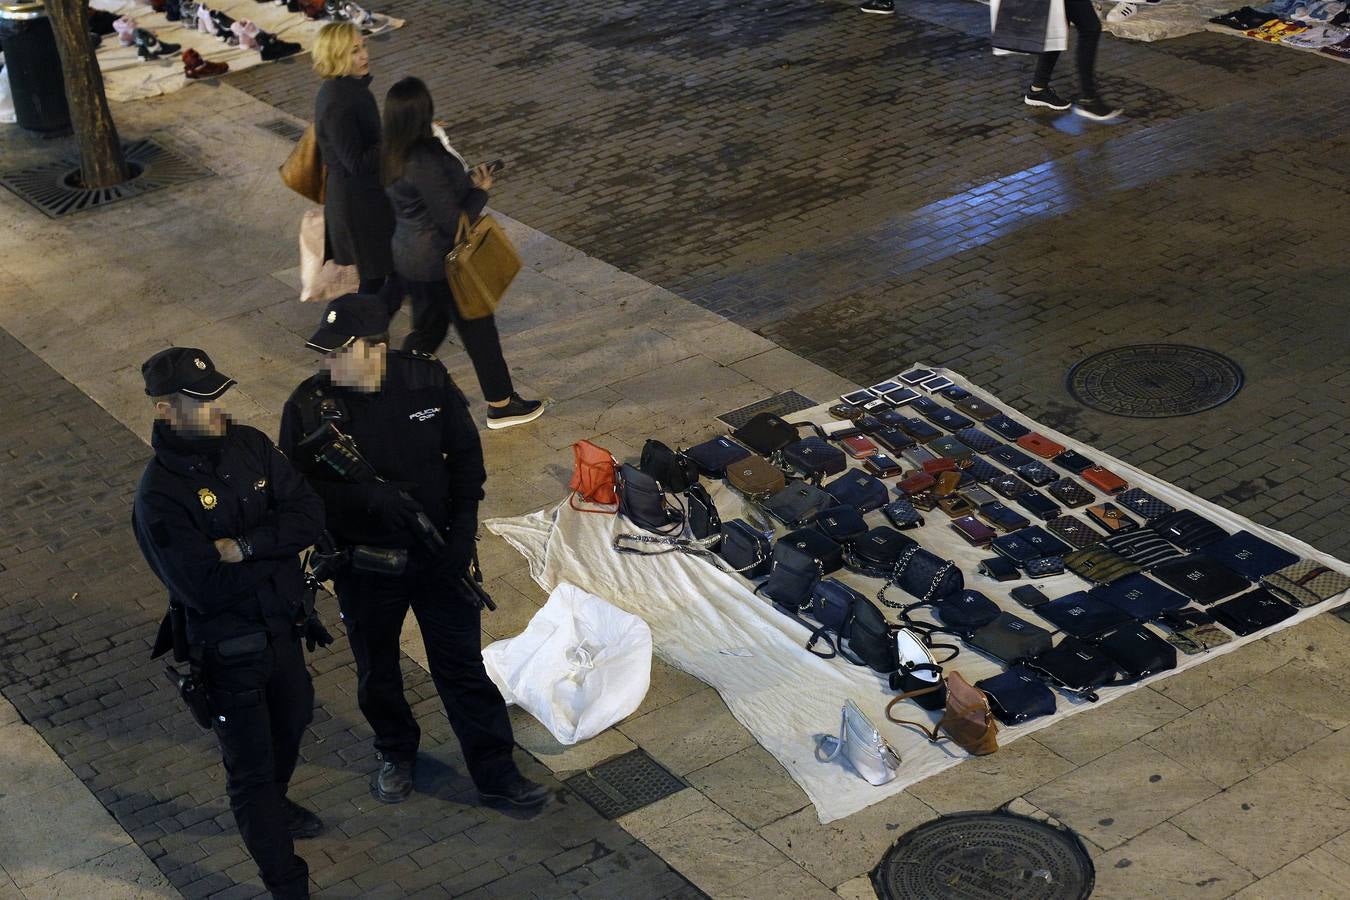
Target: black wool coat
x=428, y=199
x=357, y=216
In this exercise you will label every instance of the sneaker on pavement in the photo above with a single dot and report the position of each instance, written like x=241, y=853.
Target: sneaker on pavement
x=516, y=412
x=516, y=791
x=1096, y=109
x=1045, y=97
x=300, y=822
x=879, y=7
x=393, y=782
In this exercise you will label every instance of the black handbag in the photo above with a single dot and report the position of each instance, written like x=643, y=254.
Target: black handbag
x=1138, y=652
x=1076, y=666
x=926, y=575
x=1252, y=611
x=869, y=637
x=712, y=457
x=815, y=544
x=672, y=470
x=643, y=502
x=876, y=553
x=745, y=549
x=814, y=458
x=843, y=524
x=1018, y=695
x=766, y=434
x=797, y=503
x=966, y=612
x=792, y=579
x=1010, y=639
x=1200, y=578
x=832, y=607
x=1082, y=615
x=704, y=521
x=858, y=489
x=1188, y=529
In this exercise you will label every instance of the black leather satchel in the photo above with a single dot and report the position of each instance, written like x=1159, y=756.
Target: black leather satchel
x=814, y=458
x=825, y=551
x=672, y=470
x=766, y=434
x=1138, y=652
x=1252, y=611
x=842, y=524
x=869, y=637
x=1076, y=666
x=712, y=457
x=926, y=575
x=858, y=489
x=745, y=549
x=876, y=553
x=643, y=502
x=793, y=577
x=797, y=503
x=1010, y=639
x=704, y=521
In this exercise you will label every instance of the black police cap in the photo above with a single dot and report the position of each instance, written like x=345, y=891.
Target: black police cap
x=184, y=370
x=347, y=318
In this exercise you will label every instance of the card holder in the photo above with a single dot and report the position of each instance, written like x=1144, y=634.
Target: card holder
x=1075, y=531
x=950, y=447
x=1103, y=479
x=1073, y=461
x=977, y=440
x=978, y=408
x=1040, y=445
x=1010, y=456
x=1005, y=427
x=1003, y=517
x=1110, y=517
x=893, y=439
x=1039, y=505
x=1037, y=473
x=1070, y=493
x=973, y=531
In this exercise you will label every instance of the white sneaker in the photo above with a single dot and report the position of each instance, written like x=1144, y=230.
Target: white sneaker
x=1122, y=11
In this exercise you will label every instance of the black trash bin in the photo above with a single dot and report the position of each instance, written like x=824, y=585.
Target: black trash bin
x=34, y=68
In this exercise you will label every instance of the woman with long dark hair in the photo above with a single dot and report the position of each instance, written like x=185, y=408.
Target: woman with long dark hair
x=429, y=189
x=357, y=217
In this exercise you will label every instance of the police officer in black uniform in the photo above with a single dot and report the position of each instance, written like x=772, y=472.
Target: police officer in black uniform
x=411, y=424
x=221, y=517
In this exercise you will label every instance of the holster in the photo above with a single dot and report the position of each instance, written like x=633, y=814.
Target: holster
x=172, y=634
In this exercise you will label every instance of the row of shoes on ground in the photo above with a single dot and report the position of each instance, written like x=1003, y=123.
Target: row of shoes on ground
x=147, y=45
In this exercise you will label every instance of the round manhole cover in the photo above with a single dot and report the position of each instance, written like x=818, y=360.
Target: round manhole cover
x=985, y=856
x=1155, y=381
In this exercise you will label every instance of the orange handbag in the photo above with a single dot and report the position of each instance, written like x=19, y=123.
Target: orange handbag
x=593, y=478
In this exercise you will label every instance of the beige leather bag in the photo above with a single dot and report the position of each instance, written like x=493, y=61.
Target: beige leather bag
x=304, y=171
x=967, y=718
x=480, y=267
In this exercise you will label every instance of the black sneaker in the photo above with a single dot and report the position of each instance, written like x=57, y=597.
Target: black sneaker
x=517, y=791
x=879, y=7
x=1046, y=97
x=300, y=822
x=1094, y=108
x=393, y=782
x=517, y=412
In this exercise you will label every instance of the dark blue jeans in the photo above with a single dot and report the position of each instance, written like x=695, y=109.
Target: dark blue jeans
x=1084, y=19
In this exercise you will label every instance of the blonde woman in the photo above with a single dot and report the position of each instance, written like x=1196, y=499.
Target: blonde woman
x=357, y=215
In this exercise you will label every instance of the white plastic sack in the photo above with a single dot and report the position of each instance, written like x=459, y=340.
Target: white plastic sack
x=7, y=115
x=580, y=665
x=319, y=279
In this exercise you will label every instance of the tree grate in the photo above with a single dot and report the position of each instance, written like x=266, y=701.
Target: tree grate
x=625, y=783
x=54, y=187
x=1155, y=381
x=985, y=856
x=283, y=128
x=779, y=404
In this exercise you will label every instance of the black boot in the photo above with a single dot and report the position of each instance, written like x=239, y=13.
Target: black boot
x=271, y=47
x=515, y=791
x=301, y=822
x=393, y=782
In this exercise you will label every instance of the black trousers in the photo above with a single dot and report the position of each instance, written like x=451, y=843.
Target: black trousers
x=1084, y=19
x=373, y=609
x=434, y=309
x=263, y=701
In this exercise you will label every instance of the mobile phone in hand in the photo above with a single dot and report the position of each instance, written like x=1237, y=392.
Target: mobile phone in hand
x=494, y=167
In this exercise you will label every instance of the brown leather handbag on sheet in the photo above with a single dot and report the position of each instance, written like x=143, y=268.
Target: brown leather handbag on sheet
x=967, y=718
x=755, y=477
x=304, y=171
x=593, y=479
x=480, y=267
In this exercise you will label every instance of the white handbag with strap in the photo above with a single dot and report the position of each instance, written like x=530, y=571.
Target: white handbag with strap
x=862, y=745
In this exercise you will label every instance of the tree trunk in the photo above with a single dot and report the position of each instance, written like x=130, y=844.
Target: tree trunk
x=101, y=161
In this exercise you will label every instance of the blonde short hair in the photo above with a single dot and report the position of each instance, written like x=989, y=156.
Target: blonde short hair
x=332, y=51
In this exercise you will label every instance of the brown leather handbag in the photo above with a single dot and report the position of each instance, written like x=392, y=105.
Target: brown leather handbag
x=593, y=479
x=967, y=718
x=480, y=267
x=755, y=477
x=304, y=171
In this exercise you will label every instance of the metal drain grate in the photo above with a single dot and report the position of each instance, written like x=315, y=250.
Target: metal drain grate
x=985, y=856
x=625, y=783
x=54, y=187
x=1155, y=381
x=779, y=404
x=283, y=128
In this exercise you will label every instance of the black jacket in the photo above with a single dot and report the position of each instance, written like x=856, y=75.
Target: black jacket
x=416, y=432
x=356, y=211
x=428, y=199
x=195, y=491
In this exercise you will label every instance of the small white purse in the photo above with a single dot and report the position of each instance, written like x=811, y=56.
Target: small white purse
x=863, y=746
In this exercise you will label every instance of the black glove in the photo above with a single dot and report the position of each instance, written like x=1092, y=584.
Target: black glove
x=394, y=507
x=315, y=634
x=453, y=561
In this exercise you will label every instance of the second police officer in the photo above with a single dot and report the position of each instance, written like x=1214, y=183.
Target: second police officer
x=385, y=437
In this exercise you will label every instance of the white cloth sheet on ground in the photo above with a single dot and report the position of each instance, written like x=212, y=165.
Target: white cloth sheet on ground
x=710, y=623
x=125, y=77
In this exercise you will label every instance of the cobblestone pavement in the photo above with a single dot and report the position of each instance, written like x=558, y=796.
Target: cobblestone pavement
x=866, y=191
x=79, y=615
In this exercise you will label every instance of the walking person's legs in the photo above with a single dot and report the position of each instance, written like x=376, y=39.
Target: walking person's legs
x=431, y=310
x=1040, y=92
x=1083, y=17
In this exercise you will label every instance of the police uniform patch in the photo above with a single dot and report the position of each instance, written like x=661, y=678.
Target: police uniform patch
x=199, y=363
x=207, y=497
x=332, y=316
x=260, y=484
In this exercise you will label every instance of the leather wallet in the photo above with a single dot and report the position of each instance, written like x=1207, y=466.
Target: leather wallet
x=950, y=447
x=1002, y=517
x=977, y=440
x=918, y=429
x=846, y=411
x=1072, y=460
x=982, y=470
x=1074, y=530
x=1027, y=544
x=1144, y=504
x=1200, y=578
x=1110, y=518
x=915, y=484
x=1045, y=567
x=1009, y=455
x=1009, y=486
x=947, y=483
x=978, y=495
x=882, y=466
x=950, y=419
x=893, y=439
x=999, y=569
x=1006, y=427
x=1103, y=479
x=1070, y=492
x=1040, y=445
x=1037, y=473
x=1039, y=505
x=902, y=515
x=917, y=455
x=836, y=430
x=954, y=392
x=926, y=406
x=859, y=446
x=939, y=464
x=924, y=500
x=956, y=506
x=1189, y=530
x=975, y=532
x=976, y=407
